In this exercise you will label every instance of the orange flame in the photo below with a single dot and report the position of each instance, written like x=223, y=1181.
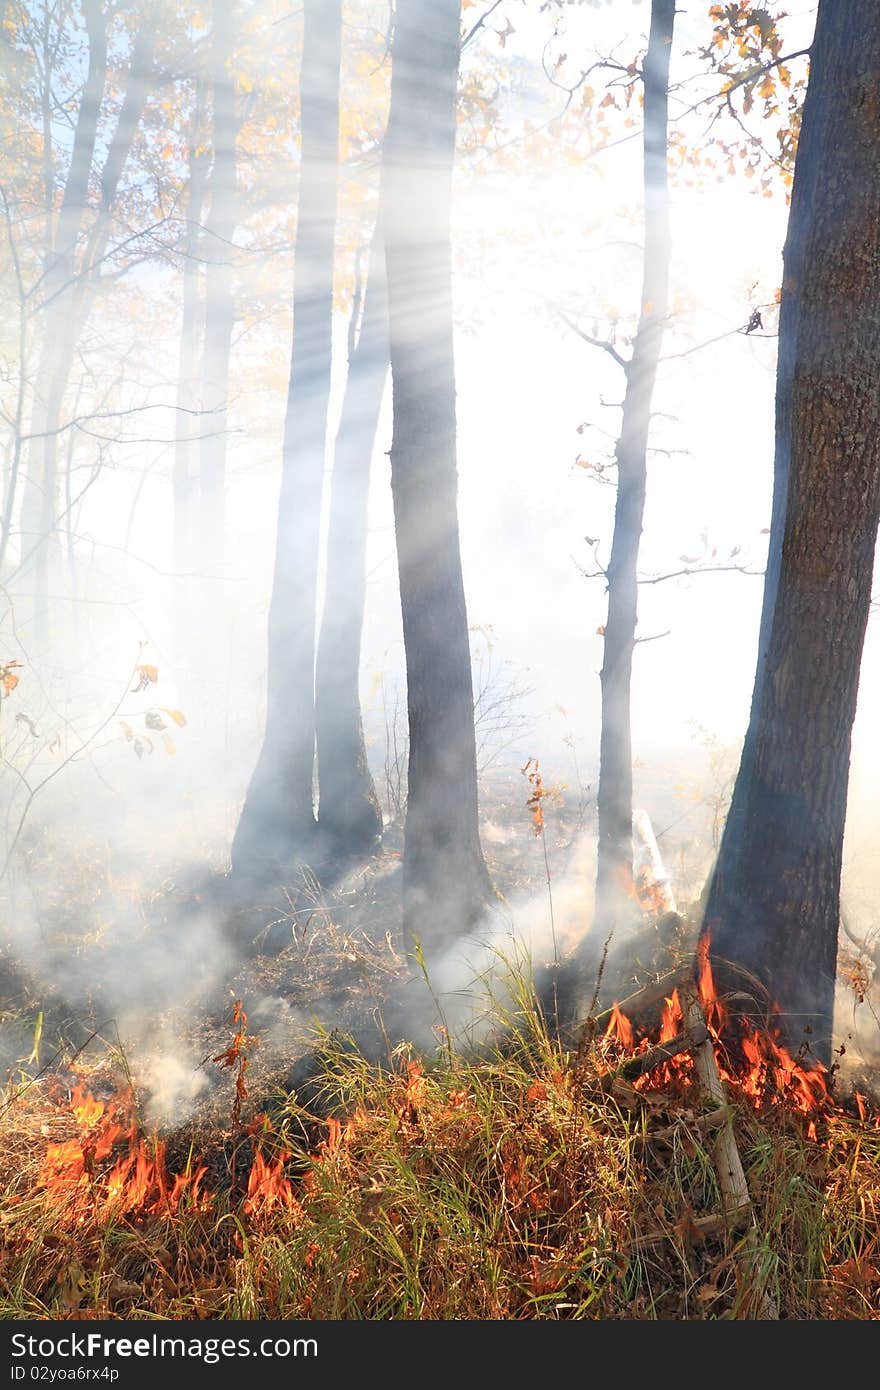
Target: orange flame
x=138, y=1181
x=619, y=1029
x=716, y=1016
x=752, y=1060
x=671, y=1018
x=268, y=1187
x=87, y=1111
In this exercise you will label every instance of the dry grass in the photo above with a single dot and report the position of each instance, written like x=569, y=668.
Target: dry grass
x=502, y=1188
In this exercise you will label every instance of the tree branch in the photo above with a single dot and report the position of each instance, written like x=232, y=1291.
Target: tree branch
x=700, y=569
x=594, y=342
x=479, y=24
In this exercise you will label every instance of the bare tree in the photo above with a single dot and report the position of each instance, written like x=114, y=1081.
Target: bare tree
x=614, y=884
x=349, y=813
x=445, y=881
x=277, y=824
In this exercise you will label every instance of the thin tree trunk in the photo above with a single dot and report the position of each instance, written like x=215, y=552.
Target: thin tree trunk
x=184, y=478
x=68, y=292
x=774, y=902
x=445, y=881
x=39, y=503
x=349, y=813
x=219, y=306
x=614, y=884
x=137, y=90
x=277, y=824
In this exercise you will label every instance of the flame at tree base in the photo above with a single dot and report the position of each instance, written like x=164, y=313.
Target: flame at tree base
x=753, y=1060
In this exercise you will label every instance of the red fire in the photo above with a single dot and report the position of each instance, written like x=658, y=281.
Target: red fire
x=75, y=1177
x=751, y=1059
x=619, y=1029
x=268, y=1188
x=671, y=1018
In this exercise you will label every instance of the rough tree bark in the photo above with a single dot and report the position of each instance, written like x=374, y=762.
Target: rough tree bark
x=445, y=882
x=773, y=905
x=277, y=824
x=614, y=882
x=350, y=817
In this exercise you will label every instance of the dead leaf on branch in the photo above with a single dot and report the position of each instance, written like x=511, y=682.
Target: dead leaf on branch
x=145, y=677
x=8, y=678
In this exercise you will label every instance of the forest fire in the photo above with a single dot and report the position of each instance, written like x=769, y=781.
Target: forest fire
x=77, y=1180
x=749, y=1058
x=138, y=1181
x=268, y=1188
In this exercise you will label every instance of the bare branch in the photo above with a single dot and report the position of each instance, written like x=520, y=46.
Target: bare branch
x=479, y=24
x=594, y=342
x=700, y=569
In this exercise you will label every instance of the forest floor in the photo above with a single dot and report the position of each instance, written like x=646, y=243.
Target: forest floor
x=161, y=1154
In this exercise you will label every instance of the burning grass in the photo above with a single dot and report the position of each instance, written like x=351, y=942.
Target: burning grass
x=533, y=1183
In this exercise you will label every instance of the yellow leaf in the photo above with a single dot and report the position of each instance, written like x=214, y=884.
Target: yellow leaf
x=177, y=715
x=170, y=745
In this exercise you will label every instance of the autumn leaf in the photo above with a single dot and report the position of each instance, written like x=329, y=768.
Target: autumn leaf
x=177, y=715
x=169, y=745
x=154, y=720
x=146, y=676
x=8, y=678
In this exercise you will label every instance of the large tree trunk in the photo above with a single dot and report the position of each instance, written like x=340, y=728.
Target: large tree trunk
x=277, y=822
x=219, y=305
x=349, y=814
x=774, y=902
x=445, y=882
x=614, y=884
